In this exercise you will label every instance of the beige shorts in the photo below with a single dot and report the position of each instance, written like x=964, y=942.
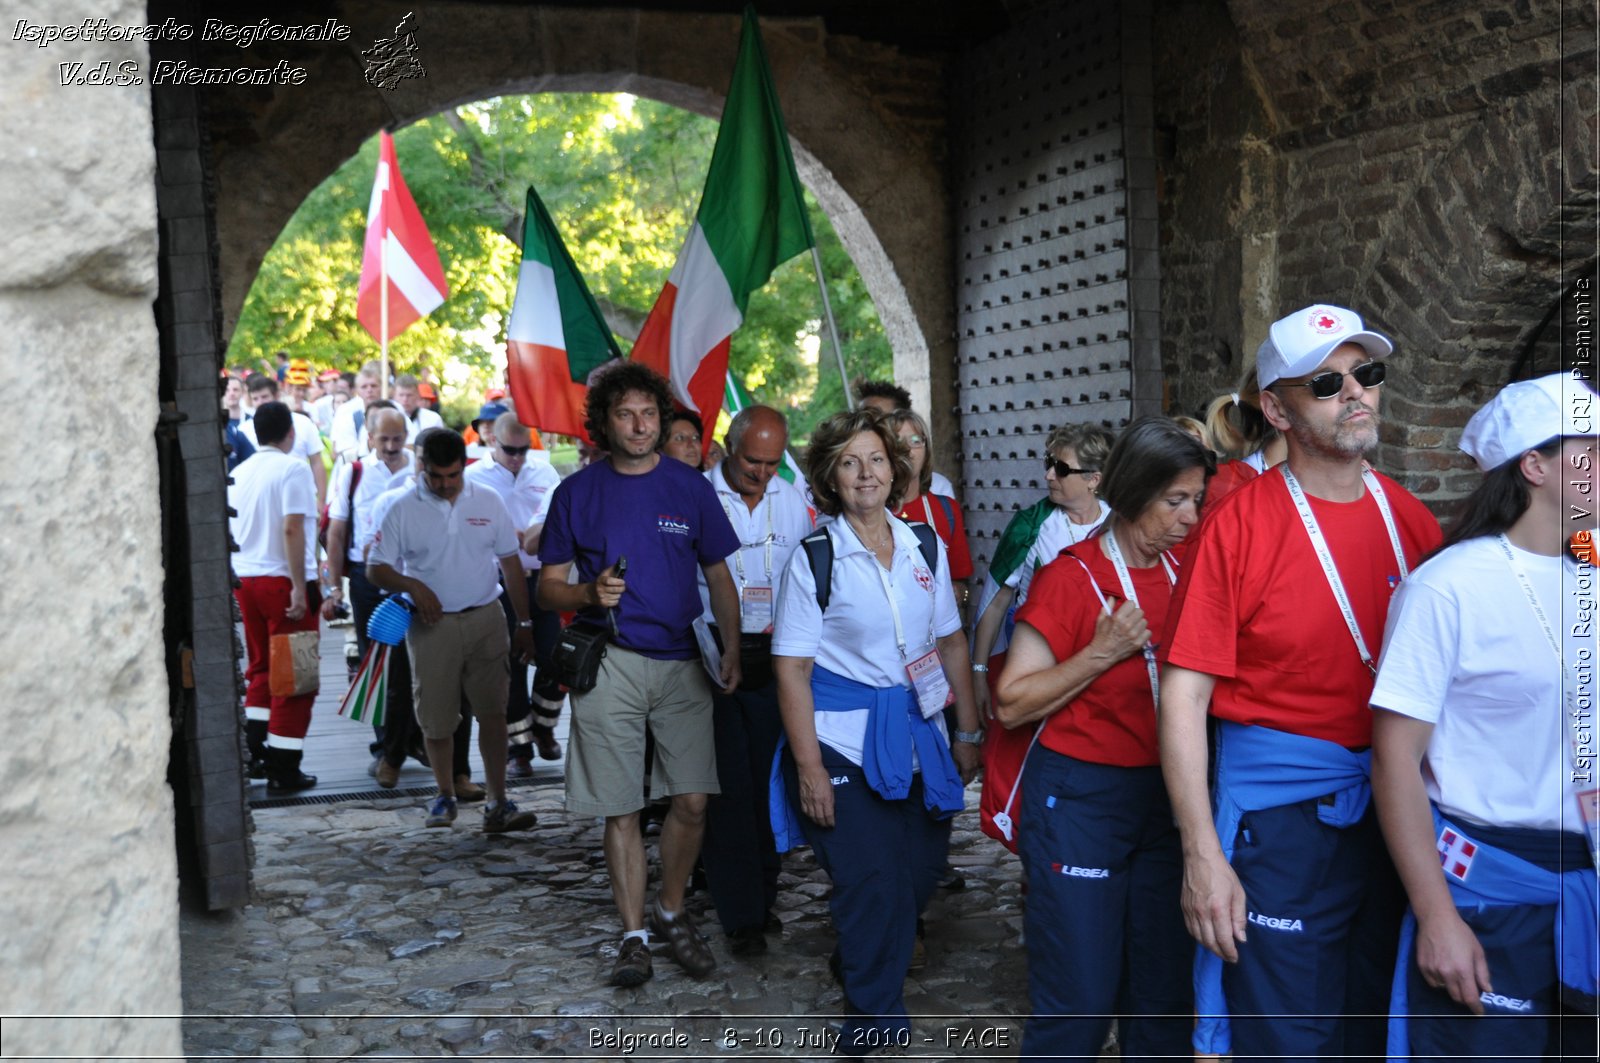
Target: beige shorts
x=462, y=657
x=605, y=755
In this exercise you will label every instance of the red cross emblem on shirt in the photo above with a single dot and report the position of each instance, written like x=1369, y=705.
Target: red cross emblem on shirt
x=1455, y=854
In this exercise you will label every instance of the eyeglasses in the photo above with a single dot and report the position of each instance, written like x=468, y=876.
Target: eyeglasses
x=515, y=452
x=1063, y=470
x=915, y=442
x=1327, y=385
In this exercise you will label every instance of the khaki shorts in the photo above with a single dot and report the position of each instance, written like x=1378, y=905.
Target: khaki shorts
x=463, y=656
x=605, y=754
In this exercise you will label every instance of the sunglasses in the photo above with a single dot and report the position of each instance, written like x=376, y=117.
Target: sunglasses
x=515, y=452
x=1063, y=470
x=1327, y=385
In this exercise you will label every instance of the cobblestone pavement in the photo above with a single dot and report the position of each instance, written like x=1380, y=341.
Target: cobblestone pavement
x=371, y=935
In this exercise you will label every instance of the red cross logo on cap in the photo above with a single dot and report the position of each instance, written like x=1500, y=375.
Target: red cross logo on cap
x=1324, y=322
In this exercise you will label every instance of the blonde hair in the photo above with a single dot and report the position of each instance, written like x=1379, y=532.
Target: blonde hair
x=828, y=442
x=920, y=427
x=1235, y=425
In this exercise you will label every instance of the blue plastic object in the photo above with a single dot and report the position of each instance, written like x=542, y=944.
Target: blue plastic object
x=390, y=620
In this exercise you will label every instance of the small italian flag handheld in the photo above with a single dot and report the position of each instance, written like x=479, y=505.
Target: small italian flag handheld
x=368, y=694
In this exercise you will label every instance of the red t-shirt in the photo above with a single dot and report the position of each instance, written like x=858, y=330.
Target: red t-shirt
x=953, y=532
x=1114, y=720
x=1231, y=475
x=1254, y=609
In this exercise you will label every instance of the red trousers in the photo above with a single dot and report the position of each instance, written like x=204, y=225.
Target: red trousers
x=263, y=601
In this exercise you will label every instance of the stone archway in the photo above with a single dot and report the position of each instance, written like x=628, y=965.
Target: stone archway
x=869, y=143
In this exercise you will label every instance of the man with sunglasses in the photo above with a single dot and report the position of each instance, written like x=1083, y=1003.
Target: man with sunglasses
x=1274, y=631
x=525, y=481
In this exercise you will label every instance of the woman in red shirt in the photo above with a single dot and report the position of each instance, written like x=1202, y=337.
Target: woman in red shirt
x=1104, y=867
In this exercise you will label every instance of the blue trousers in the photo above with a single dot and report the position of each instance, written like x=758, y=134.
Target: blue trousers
x=1523, y=1017
x=1104, y=929
x=740, y=860
x=1324, y=907
x=885, y=859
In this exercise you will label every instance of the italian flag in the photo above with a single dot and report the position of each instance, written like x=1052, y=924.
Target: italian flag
x=398, y=256
x=752, y=218
x=557, y=335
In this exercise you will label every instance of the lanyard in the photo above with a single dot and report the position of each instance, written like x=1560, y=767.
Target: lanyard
x=1320, y=545
x=1568, y=685
x=894, y=607
x=738, y=555
x=1131, y=595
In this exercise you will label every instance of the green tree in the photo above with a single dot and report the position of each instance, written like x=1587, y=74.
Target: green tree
x=622, y=177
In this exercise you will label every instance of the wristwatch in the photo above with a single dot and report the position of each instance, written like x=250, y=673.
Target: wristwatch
x=980, y=668
x=970, y=737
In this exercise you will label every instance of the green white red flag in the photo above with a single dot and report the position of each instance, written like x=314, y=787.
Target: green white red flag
x=752, y=217
x=398, y=247
x=557, y=335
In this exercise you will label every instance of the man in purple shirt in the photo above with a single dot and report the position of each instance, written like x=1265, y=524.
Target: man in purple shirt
x=664, y=519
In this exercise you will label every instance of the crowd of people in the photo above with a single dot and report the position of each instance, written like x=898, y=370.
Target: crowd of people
x=1291, y=774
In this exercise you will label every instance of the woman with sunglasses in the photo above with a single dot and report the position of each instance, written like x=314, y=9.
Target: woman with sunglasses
x=1477, y=760
x=940, y=512
x=1068, y=514
x=1104, y=868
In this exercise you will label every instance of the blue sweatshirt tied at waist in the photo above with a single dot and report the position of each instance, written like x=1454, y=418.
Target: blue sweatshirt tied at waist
x=1259, y=768
x=895, y=726
x=1495, y=878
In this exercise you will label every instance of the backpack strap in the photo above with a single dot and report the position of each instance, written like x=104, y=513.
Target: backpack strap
x=355, y=481
x=949, y=511
x=819, y=552
x=927, y=542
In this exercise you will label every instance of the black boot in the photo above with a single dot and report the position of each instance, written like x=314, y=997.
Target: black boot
x=255, y=737
x=283, y=772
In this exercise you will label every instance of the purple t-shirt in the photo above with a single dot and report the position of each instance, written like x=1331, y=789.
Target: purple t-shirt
x=666, y=522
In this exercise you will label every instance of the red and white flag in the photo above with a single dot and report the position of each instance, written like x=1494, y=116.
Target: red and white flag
x=397, y=246
x=1455, y=854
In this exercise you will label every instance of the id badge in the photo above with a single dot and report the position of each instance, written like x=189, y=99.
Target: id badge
x=755, y=610
x=927, y=679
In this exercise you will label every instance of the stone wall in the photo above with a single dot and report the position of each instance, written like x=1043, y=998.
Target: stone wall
x=88, y=895
x=1430, y=165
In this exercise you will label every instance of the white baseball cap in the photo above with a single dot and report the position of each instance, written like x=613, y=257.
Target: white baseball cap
x=1526, y=414
x=1297, y=344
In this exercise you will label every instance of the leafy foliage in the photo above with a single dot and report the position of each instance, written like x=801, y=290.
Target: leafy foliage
x=622, y=178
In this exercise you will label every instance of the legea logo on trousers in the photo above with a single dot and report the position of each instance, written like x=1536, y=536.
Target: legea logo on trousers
x=1273, y=922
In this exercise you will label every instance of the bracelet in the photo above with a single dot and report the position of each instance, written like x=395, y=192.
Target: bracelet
x=525, y=624
x=974, y=738
x=980, y=668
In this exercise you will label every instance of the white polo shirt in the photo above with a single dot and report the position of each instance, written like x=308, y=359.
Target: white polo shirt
x=526, y=495
x=939, y=484
x=307, y=440
x=380, y=509
x=1463, y=650
x=856, y=637
x=1055, y=535
x=767, y=535
x=267, y=487
x=375, y=480
x=452, y=548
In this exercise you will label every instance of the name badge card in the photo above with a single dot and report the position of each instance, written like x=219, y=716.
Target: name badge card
x=927, y=679
x=755, y=610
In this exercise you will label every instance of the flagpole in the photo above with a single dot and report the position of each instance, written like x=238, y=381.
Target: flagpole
x=833, y=329
x=383, y=304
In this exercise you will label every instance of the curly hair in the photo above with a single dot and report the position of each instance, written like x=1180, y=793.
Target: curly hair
x=611, y=385
x=1090, y=442
x=828, y=442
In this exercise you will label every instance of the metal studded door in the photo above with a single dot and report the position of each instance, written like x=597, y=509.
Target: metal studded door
x=1056, y=245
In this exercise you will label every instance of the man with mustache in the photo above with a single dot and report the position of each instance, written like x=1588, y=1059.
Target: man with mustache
x=1274, y=631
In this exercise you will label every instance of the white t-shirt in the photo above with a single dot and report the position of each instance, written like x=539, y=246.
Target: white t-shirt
x=375, y=480
x=856, y=637
x=1463, y=651
x=767, y=536
x=526, y=496
x=452, y=548
x=307, y=440
x=939, y=484
x=267, y=487
x=1055, y=535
